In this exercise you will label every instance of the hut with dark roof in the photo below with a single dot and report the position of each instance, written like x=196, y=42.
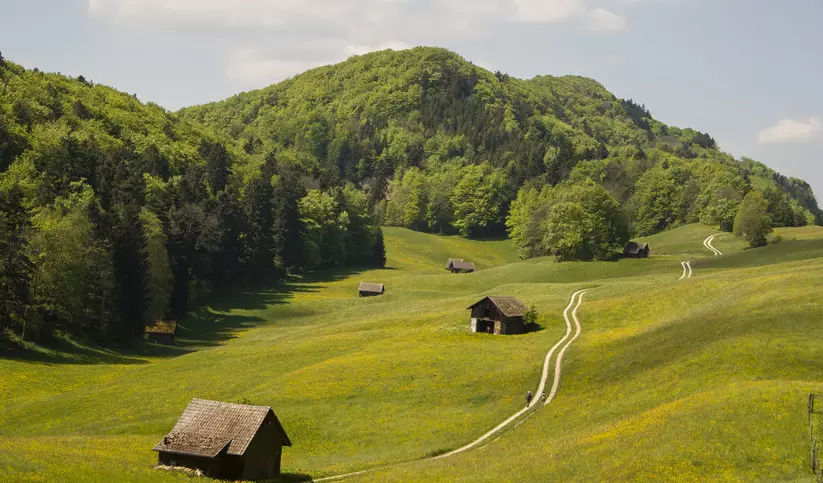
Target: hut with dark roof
x=371, y=289
x=498, y=315
x=636, y=250
x=458, y=265
x=225, y=441
x=162, y=332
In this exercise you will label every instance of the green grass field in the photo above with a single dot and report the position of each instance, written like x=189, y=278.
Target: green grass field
x=702, y=379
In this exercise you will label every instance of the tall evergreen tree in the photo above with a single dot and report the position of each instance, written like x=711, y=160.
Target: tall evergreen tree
x=15, y=266
x=287, y=229
x=379, y=251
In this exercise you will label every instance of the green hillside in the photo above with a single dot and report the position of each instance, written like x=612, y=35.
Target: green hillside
x=670, y=380
x=443, y=145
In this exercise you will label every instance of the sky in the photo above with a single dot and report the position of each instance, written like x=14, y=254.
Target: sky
x=748, y=72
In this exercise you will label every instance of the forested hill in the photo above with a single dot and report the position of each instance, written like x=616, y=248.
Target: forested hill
x=444, y=145
x=115, y=213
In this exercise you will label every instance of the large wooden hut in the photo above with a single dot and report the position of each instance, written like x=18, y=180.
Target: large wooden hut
x=225, y=441
x=498, y=315
x=162, y=332
x=458, y=265
x=636, y=250
x=371, y=289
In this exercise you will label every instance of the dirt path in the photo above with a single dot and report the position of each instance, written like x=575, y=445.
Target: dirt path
x=577, y=298
x=687, y=270
x=708, y=244
x=557, y=365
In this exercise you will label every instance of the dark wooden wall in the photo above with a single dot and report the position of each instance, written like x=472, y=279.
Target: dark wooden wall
x=264, y=452
x=494, y=313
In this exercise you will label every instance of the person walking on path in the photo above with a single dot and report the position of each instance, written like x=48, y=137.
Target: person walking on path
x=543, y=398
x=528, y=398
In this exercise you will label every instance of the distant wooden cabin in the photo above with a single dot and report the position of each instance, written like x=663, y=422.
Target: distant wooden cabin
x=458, y=265
x=498, y=315
x=162, y=332
x=226, y=441
x=371, y=289
x=636, y=250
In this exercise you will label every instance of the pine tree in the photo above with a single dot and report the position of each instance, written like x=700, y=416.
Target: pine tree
x=379, y=250
x=15, y=267
x=287, y=228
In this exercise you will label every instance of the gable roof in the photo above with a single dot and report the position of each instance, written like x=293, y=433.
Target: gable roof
x=509, y=306
x=461, y=265
x=162, y=327
x=207, y=428
x=634, y=247
x=371, y=287
x=452, y=260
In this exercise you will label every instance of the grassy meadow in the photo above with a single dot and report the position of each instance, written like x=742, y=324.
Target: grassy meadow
x=670, y=380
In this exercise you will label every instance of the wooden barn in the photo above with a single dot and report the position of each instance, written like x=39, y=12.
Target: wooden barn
x=498, y=315
x=225, y=441
x=371, y=289
x=162, y=332
x=636, y=250
x=458, y=265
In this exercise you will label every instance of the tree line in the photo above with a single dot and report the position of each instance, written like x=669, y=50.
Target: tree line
x=115, y=214
x=448, y=147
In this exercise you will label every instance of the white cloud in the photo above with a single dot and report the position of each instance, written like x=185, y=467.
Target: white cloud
x=489, y=66
x=602, y=19
x=236, y=13
x=791, y=131
x=548, y=11
x=290, y=36
x=350, y=49
x=248, y=68
x=351, y=15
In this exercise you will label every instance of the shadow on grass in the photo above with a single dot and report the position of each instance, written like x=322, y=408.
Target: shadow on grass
x=202, y=328
x=292, y=478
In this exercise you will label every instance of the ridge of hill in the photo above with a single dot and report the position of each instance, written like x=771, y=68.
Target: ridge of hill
x=424, y=131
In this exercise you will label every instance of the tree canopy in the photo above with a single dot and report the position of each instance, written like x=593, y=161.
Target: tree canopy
x=115, y=213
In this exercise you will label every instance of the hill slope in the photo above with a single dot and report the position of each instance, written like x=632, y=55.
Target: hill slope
x=670, y=380
x=383, y=118
x=115, y=213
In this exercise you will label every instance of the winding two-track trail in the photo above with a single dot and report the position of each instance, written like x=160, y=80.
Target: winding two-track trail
x=708, y=244
x=687, y=270
x=575, y=302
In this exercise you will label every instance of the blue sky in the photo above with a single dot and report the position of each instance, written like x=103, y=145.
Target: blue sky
x=746, y=71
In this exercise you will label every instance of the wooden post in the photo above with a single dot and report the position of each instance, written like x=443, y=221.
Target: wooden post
x=814, y=456
x=811, y=407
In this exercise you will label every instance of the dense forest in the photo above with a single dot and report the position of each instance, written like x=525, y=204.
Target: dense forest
x=443, y=145
x=115, y=213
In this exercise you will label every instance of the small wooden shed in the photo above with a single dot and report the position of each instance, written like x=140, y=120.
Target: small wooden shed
x=371, y=289
x=636, y=250
x=498, y=315
x=458, y=265
x=225, y=441
x=162, y=332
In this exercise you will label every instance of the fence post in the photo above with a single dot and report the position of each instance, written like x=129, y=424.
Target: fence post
x=811, y=407
x=814, y=456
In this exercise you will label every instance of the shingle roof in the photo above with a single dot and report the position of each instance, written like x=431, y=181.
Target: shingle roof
x=162, y=327
x=452, y=260
x=510, y=306
x=461, y=265
x=634, y=247
x=206, y=428
x=371, y=287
